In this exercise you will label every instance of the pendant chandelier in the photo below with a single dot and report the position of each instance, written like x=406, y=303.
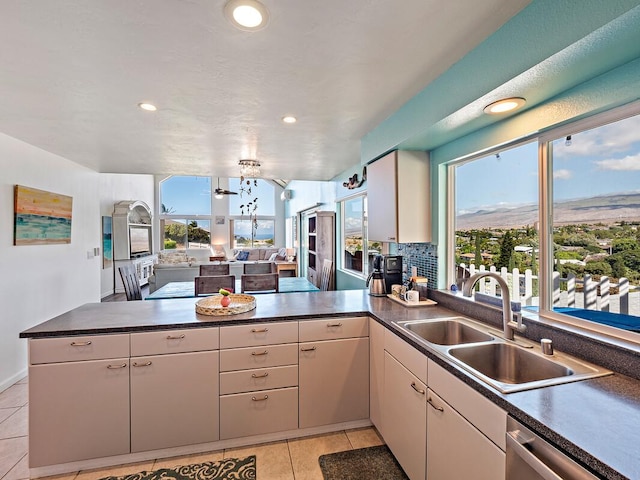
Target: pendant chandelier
x=249, y=168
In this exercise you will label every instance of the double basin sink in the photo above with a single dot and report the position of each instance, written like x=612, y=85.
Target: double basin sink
x=506, y=366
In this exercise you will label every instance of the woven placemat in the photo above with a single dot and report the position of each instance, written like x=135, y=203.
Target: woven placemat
x=240, y=303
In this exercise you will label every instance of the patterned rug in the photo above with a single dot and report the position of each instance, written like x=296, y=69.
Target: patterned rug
x=372, y=462
x=227, y=469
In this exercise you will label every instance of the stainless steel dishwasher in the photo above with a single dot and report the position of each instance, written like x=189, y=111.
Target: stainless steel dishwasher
x=529, y=457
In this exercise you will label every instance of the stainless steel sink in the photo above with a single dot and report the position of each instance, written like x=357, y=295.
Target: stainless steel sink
x=446, y=332
x=511, y=368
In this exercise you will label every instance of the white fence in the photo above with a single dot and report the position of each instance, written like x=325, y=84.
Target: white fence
x=594, y=294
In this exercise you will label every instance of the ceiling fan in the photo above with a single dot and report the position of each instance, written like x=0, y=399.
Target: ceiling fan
x=219, y=192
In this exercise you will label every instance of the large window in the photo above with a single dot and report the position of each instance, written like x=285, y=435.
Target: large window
x=252, y=213
x=584, y=266
x=185, y=212
x=357, y=251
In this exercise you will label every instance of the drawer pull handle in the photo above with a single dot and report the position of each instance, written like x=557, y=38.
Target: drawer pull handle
x=259, y=330
x=333, y=325
x=430, y=402
x=81, y=344
x=266, y=374
x=260, y=399
x=171, y=337
x=135, y=364
x=310, y=349
x=112, y=367
x=256, y=354
x=413, y=385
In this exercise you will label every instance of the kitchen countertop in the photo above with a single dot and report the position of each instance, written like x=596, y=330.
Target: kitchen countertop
x=597, y=421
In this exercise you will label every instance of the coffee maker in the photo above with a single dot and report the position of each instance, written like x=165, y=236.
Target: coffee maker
x=392, y=271
x=375, y=280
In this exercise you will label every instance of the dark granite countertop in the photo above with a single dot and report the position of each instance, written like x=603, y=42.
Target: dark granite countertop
x=595, y=421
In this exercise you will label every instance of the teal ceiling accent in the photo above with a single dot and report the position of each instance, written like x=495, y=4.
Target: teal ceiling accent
x=549, y=47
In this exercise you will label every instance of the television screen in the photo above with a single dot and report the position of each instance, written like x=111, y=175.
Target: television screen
x=140, y=240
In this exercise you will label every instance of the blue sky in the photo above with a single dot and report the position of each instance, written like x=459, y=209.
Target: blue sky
x=602, y=161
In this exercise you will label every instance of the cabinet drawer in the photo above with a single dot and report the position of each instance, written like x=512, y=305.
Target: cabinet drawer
x=258, y=379
x=478, y=410
x=258, y=357
x=267, y=411
x=333, y=328
x=258, y=334
x=174, y=341
x=414, y=360
x=73, y=349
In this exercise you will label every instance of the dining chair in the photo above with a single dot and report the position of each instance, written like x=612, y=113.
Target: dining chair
x=130, y=282
x=263, y=267
x=214, y=269
x=259, y=282
x=326, y=276
x=211, y=284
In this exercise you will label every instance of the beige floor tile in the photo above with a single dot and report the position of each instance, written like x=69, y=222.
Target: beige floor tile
x=364, y=437
x=11, y=451
x=188, y=459
x=17, y=425
x=20, y=471
x=116, y=471
x=15, y=396
x=305, y=453
x=7, y=412
x=272, y=460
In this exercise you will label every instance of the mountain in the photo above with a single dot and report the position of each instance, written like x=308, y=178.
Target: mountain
x=602, y=209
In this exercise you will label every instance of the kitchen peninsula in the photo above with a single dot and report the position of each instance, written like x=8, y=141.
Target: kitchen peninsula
x=594, y=421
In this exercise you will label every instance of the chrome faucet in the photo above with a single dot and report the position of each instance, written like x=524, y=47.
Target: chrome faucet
x=508, y=324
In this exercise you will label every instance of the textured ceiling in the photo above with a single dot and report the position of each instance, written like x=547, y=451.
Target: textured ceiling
x=74, y=71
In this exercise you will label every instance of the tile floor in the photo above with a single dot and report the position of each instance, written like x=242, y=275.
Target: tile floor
x=286, y=460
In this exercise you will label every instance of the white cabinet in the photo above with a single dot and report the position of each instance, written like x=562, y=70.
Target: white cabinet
x=376, y=373
x=405, y=417
x=398, y=195
x=78, y=410
x=174, y=400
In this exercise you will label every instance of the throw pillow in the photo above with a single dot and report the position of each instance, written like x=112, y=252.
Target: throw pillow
x=273, y=256
x=282, y=254
x=243, y=256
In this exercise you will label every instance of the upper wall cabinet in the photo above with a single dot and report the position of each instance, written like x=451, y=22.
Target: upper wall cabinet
x=399, y=198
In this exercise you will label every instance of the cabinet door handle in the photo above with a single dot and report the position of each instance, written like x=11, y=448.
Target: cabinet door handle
x=391, y=238
x=135, y=364
x=256, y=354
x=438, y=408
x=259, y=330
x=332, y=325
x=266, y=374
x=309, y=349
x=171, y=337
x=259, y=399
x=111, y=367
x=81, y=344
x=413, y=385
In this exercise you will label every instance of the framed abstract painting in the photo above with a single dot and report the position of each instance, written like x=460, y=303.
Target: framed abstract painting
x=41, y=217
x=107, y=245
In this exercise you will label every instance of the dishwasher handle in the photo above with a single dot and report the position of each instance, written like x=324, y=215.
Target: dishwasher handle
x=516, y=442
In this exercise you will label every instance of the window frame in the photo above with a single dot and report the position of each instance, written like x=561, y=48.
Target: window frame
x=365, y=238
x=545, y=212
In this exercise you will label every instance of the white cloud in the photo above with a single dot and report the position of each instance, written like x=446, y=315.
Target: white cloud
x=562, y=174
x=628, y=163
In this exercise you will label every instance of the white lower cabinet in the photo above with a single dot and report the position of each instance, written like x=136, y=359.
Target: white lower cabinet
x=456, y=449
x=376, y=373
x=174, y=400
x=78, y=410
x=334, y=381
x=405, y=417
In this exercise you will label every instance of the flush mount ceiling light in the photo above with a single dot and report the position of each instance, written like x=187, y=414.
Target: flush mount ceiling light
x=249, y=168
x=149, y=107
x=248, y=15
x=289, y=119
x=505, y=105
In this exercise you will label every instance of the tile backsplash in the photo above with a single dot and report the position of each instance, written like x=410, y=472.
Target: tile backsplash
x=424, y=256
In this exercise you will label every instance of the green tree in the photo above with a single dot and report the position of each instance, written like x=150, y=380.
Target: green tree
x=624, y=244
x=598, y=268
x=618, y=268
x=507, y=245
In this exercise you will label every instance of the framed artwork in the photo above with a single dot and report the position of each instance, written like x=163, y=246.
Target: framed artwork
x=107, y=244
x=40, y=217
x=219, y=220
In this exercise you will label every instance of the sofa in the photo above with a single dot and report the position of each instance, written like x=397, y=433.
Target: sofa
x=184, y=265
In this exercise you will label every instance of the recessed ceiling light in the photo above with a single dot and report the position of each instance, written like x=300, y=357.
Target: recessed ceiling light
x=149, y=107
x=504, y=105
x=248, y=15
x=289, y=119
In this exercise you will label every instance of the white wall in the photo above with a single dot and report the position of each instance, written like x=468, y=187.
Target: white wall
x=115, y=187
x=38, y=282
